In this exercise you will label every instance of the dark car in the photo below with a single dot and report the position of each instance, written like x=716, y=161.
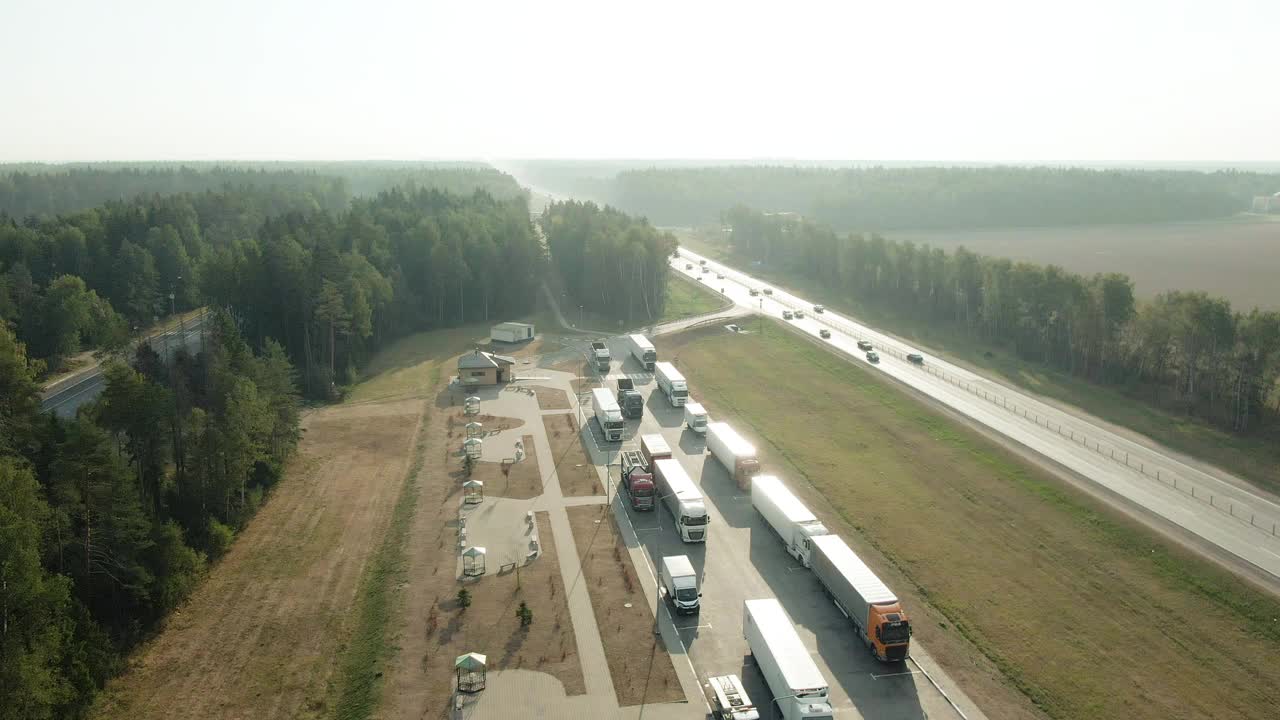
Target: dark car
x=825, y=334
x=915, y=358
x=864, y=344
x=873, y=356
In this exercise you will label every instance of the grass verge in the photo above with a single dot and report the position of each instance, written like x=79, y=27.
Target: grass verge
x=686, y=298
x=368, y=650
x=1083, y=611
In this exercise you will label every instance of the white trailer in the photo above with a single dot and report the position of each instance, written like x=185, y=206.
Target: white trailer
x=607, y=413
x=797, y=684
x=736, y=454
x=695, y=416
x=878, y=617
x=671, y=383
x=787, y=516
x=643, y=351
x=682, y=498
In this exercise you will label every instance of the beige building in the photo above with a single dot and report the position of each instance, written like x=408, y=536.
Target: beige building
x=482, y=368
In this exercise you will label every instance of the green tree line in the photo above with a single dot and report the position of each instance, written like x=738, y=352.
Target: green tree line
x=42, y=190
x=109, y=520
x=608, y=261
x=880, y=198
x=1185, y=350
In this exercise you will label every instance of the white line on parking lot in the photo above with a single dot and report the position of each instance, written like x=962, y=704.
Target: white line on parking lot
x=885, y=675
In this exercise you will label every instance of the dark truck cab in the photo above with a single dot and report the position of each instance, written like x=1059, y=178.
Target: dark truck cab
x=629, y=399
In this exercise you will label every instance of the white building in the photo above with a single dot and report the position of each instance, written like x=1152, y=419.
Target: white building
x=511, y=332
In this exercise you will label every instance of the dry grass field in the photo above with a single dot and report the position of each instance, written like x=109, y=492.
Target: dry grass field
x=577, y=474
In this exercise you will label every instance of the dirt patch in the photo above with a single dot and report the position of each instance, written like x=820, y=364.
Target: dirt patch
x=519, y=480
x=638, y=660
x=261, y=637
x=434, y=630
x=551, y=398
x=576, y=473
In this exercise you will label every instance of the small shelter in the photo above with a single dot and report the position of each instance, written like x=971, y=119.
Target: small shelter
x=474, y=429
x=511, y=332
x=473, y=492
x=481, y=368
x=471, y=669
x=473, y=447
x=471, y=405
x=473, y=561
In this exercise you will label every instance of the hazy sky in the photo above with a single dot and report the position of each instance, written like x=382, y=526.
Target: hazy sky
x=1127, y=80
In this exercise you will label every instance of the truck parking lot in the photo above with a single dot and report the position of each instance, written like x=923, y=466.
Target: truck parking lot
x=743, y=559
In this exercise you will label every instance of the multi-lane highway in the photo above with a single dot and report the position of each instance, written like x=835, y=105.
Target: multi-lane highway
x=1221, y=510
x=66, y=396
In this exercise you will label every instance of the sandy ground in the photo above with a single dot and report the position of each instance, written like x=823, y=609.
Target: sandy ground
x=638, y=661
x=520, y=480
x=577, y=474
x=434, y=630
x=260, y=638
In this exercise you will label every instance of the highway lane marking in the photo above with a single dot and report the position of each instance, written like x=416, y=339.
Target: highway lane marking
x=897, y=674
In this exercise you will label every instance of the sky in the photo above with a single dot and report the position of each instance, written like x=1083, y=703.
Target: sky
x=1080, y=81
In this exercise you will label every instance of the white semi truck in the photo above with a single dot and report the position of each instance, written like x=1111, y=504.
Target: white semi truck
x=682, y=498
x=607, y=413
x=680, y=583
x=600, y=352
x=786, y=515
x=671, y=383
x=737, y=455
x=695, y=416
x=642, y=350
x=797, y=684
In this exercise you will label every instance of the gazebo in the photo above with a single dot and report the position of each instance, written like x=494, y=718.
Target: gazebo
x=473, y=492
x=473, y=446
x=471, y=670
x=474, y=429
x=473, y=561
x=471, y=405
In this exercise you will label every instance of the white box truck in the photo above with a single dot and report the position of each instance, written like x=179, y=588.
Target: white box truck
x=682, y=498
x=737, y=455
x=786, y=515
x=793, y=678
x=695, y=416
x=642, y=350
x=875, y=611
x=671, y=383
x=680, y=583
x=607, y=413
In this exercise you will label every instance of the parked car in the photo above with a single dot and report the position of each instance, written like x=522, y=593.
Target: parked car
x=915, y=358
x=864, y=344
x=872, y=357
x=819, y=309
x=786, y=315
x=825, y=334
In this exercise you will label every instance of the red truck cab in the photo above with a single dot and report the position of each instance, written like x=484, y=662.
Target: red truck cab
x=638, y=480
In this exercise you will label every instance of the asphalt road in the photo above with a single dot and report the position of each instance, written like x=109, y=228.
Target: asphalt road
x=64, y=398
x=744, y=559
x=1223, y=511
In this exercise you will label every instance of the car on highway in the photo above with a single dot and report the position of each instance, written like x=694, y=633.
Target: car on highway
x=768, y=291
x=873, y=357
x=819, y=309
x=786, y=315
x=915, y=358
x=754, y=292
x=864, y=344
x=799, y=314
x=706, y=269
x=702, y=262
x=719, y=276
x=688, y=266
x=825, y=334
